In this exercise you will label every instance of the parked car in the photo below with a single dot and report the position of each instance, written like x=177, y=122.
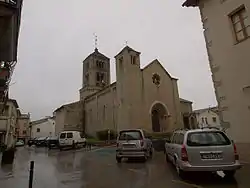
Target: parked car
x=20, y=143
x=41, y=142
x=73, y=139
x=53, y=142
x=133, y=143
x=32, y=141
x=207, y=149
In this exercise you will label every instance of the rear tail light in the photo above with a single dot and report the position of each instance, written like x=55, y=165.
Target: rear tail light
x=184, y=155
x=236, y=155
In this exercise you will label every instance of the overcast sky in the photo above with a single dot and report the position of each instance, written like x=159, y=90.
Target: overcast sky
x=56, y=35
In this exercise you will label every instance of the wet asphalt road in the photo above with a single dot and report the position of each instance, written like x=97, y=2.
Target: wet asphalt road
x=98, y=169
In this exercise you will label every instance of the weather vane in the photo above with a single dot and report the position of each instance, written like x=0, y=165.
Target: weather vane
x=95, y=40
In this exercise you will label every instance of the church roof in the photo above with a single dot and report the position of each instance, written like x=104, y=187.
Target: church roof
x=213, y=109
x=190, y=3
x=110, y=85
x=96, y=53
x=66, y=106
x=158, y=62
x=128, y=49
x=185, y=101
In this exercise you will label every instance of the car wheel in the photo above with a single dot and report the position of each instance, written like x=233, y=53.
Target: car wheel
x=118, y=159
x=151, y=153
x=60, y=148
x=229, y=173
x=180, y=172
x=166, y=157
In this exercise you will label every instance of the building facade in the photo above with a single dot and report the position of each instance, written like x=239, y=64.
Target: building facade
x=69, y=117
x=23, y=123
x=43, y=127
x=145, y=98
x=207, y=117
x=226, y=25
x=10, y=16
x=8, y=123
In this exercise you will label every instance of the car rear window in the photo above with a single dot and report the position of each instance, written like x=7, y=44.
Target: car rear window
x=207, y=139
x=130, y=135
x=69, y=135
x=62, y=135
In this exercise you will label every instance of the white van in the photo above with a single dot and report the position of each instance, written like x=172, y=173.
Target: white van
x=72, y=139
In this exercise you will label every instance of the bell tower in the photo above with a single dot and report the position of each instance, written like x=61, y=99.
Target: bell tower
x=96, y=74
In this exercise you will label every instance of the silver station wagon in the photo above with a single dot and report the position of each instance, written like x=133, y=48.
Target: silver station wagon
x=133, y=143
x=207, y=149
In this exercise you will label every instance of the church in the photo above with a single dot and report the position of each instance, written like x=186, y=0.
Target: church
x=145, y=98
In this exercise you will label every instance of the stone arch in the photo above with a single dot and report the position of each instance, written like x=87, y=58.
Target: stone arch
x=159, y=116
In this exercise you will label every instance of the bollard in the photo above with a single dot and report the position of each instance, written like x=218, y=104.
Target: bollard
x=31, y=174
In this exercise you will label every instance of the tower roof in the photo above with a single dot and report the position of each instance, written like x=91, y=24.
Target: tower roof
x=128, y=49
x=190, y=3
x=96, y=53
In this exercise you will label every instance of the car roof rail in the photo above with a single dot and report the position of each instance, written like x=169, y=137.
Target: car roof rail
x=181, y=129
x=212, y=127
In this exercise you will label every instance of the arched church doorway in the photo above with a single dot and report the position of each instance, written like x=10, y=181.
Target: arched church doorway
x=159, y=116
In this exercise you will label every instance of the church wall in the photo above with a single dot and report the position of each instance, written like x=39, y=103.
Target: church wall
x=100, y=110
x=166, y=93
x=129, y=82
x=59, y=120
x=186, y=107
x=74, y=117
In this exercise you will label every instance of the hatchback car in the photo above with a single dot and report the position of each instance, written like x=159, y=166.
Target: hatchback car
x=133, y=143
x=207, y=149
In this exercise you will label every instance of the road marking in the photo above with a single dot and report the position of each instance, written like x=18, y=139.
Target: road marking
x=136, y=171
x=188, y=184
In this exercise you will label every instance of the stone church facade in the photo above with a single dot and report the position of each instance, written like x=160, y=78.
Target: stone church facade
x=145, y=98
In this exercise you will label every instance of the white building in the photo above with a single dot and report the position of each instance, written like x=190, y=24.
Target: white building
x=226, y=25
x=43, y=127
x=207, y=117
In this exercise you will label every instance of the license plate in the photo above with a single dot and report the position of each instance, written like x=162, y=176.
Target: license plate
x=211, y=156
x=128, y=145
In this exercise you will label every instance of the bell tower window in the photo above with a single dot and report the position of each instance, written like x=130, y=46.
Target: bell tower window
x=133, y=60
x=100, y=64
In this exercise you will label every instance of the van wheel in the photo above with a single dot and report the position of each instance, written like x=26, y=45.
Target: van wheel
x=229, y=173
x=73, y=145
x=118, y=159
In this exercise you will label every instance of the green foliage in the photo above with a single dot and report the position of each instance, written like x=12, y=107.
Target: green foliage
x=103, y=135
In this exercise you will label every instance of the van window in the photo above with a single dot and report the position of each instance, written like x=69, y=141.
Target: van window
x=62, y=135
x=69, y=135
x=207, y=139
x=130, y=135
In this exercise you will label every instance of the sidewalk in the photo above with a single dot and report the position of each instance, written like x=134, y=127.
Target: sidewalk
x=244, y=152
